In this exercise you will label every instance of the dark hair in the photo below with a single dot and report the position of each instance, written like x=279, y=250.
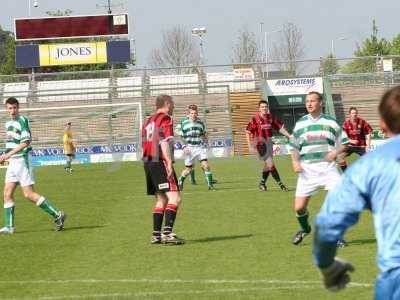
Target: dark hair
x=353, y=108
x=315, y=93
x=389, y=109
x=192, y=107
x=12, y=101
x=262, y=102
x=162, y=99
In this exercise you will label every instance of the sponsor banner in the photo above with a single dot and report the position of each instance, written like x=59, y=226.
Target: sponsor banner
x=97, y=149
x=111, y=52
x=112, y=157
x=243, y=74
x=294, y=86
x=73, y=54
x=55, y=160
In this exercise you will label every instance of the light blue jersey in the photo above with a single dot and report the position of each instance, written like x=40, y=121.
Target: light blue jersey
x=372, y=182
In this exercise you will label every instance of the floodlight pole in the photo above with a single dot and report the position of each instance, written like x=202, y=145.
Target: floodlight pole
x=199, y=32
x=109, y=7
x=266, y=49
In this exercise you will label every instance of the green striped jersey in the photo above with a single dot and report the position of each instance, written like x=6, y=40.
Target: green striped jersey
x=18, y=131
x=314, y=138
x=193, y=133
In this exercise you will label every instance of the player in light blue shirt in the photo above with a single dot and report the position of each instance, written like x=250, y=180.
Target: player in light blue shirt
x=372, y=183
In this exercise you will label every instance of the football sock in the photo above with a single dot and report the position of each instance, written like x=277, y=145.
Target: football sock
x=44, y=204
x=209, y=179
x=275, y=174
x=264, y=176
x=192, y=177
x=9, y=214
x=303, y=220
x=170, y=215
x=158, y=215
x=68, y=166
x=182, y=178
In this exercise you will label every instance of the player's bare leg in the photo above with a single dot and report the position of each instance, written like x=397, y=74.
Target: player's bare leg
x=192, y=177
x=40, y=201
x=300, y=207
x=168, y=237
x=9, y=207
x=270, y=166
x=207, y=172
x=186, y=171
x=161, y=201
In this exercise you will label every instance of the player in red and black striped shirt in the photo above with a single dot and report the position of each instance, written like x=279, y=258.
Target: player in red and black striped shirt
x=158, y=157
x=359, y=133
x=258, y=134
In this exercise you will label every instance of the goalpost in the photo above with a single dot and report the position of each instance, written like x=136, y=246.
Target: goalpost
x=103, y=125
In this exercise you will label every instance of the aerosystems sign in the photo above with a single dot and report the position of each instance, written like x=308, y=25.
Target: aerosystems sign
x=72, y=54
x=292, y=91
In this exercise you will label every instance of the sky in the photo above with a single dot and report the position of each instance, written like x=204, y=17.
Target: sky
x=346, y=22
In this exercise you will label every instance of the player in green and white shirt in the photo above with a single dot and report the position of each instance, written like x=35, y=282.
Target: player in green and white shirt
x=193, y=133
x=318, y=140
x=19, y=170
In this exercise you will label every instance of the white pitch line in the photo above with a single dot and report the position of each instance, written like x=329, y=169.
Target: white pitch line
x=175, y=292
x=177, y=281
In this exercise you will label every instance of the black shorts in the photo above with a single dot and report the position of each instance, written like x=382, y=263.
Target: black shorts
x=355, y=149
x=265, y=150
x=157, y=180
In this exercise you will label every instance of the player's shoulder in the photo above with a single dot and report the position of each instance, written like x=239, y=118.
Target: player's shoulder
x=302, y=119
x=23, y=120
x=184, y=120
x=375, y=163
x=329, y=118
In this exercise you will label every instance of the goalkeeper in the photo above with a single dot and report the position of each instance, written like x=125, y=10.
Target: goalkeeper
x=69, y=147
x=193, y=133
x=373, y=183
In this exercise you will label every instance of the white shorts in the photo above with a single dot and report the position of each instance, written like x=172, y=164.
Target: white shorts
x=198, y=152
x=316, y=175
x=20, y=170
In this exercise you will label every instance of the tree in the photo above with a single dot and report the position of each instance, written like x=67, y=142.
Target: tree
x=176, y=51
x=372, y=46
x=7, y=52
x=395, y=50
x=329, y=65
x=246, y=49
x=289, y=49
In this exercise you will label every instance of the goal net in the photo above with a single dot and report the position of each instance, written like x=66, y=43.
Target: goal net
x=111, y=126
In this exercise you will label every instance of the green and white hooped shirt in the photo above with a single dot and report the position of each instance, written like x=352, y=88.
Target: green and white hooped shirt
x=18, y=131
x=314, y=138
x=193, y=133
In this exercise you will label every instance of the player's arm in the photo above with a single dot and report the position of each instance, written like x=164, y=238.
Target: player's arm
x=284, y=132
x=250, y=141
x=341, y=144
x=368, y=136
x=250, y=129
x=167, y=144
x=17, y=149
x=295, y=147
x=340, y=211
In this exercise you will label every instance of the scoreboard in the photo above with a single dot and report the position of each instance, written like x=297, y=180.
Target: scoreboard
x=71, y=27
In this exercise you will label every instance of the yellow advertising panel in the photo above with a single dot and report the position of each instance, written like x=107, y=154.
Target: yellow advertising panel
x=73, y=54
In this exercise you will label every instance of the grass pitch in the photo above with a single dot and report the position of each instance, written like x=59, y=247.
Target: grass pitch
x=238, y=240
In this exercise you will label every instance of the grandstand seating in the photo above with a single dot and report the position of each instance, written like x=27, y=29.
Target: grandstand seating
x=243, y=107
x=365, y=98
